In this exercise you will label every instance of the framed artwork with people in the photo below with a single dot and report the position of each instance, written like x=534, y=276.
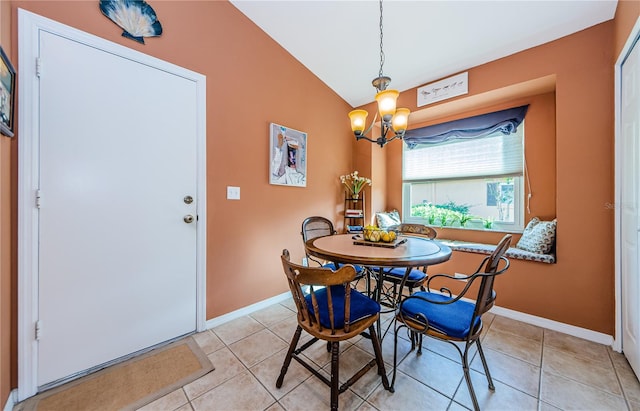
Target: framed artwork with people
x=288, y=156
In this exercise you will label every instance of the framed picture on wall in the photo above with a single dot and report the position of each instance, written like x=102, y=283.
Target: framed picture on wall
x=7, y=94
x=287, y=156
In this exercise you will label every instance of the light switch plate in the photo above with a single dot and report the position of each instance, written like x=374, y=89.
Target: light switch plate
x=233, y=193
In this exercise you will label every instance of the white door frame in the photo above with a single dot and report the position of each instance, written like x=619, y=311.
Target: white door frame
x=628, y=46
x=29, y=25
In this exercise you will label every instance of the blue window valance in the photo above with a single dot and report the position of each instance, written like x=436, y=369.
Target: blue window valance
x=505, y=121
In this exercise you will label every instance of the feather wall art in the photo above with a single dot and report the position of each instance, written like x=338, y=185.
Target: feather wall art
x=136, y=17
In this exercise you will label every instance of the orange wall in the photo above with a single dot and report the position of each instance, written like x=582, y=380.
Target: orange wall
x=570, y=163
x=251, y=81
x=244, y=67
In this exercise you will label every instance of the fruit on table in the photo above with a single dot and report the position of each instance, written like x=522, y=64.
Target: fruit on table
x=375, y=234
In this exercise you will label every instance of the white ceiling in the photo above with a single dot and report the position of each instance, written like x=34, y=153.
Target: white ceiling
x=339, y=40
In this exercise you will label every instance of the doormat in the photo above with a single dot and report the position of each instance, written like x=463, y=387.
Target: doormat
x=130, y=384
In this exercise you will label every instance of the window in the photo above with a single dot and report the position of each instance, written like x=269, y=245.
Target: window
x=467, y=183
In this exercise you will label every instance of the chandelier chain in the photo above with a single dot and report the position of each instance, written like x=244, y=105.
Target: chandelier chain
x=381, y=50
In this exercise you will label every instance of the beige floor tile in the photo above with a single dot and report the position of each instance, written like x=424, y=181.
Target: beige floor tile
x=409, y=395
x=227, y=366
x=618, y=359
x=511, y=371
x=446, y=349
x=404, y=347
x=208, y=341
x=518, y=328
x=272, y=314
x=630, y=384
x=367, y=407
x=502, y=398
x=313, y=394
x=523, y=348
x=318, y=353
x=288, y=303
x=456, y=407
x=590, y=371
x=634, y=406
x=433, y=370
x=543, y=406
x=169, y=402
x=565, y=393
x=237, y=329
x=242, y=392
x=256, y=347
x=351, y=361
x=268, y=371
x=574, y=345
x=186, y=407
x=275, y=407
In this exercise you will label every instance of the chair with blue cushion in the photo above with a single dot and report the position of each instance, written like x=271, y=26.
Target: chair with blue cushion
x=454, y=318
x=394, y=276
x=317, y=226
x=331, y=310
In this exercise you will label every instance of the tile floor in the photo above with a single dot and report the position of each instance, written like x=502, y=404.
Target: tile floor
x=533, y=369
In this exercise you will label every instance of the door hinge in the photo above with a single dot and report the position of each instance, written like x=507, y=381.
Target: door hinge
x=38, y=198
x=38, y=329
x=38, y=66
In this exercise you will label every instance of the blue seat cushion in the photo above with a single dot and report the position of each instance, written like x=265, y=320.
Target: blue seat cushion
x=398, y=272
x=361, y=306
x=452, y=319
x=359, y=268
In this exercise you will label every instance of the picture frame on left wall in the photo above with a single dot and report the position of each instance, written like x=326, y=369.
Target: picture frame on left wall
x=287, y=156
x=7, y=94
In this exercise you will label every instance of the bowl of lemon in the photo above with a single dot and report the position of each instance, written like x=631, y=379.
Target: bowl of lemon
x=378, y=235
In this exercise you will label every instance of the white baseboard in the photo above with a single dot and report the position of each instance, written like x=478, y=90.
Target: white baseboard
x=214, y=322
x=11, y=401
x=572, y=330
x=583, y=333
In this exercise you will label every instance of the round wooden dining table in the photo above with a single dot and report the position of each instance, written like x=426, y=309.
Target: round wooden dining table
x=410, y=252
x=346, y=248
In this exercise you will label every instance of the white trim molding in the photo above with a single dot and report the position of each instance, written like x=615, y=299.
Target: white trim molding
x=572, y=330
x=634, y=36
x=12, y=400
x=225, y=318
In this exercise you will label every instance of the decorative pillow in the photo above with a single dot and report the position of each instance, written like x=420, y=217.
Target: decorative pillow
x=386, y=220
x=539, y=236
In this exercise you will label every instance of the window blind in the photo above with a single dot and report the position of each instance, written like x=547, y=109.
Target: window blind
x=495, y=155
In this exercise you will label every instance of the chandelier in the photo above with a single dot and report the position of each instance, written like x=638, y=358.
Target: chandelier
x=392, y=119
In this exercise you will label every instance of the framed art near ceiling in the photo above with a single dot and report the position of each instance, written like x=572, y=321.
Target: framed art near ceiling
x=7, y=94
x=287, y=156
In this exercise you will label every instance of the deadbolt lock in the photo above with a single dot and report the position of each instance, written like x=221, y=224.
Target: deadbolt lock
x=188, y=199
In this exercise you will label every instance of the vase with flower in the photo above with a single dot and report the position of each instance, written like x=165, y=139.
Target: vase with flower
x=354, y=183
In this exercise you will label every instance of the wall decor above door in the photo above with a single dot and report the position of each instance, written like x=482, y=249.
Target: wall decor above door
x=136, y=17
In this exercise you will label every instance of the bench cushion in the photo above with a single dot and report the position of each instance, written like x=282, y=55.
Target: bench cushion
x=512, y=252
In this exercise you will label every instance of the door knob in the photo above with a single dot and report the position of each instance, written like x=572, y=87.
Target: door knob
x=188, y=219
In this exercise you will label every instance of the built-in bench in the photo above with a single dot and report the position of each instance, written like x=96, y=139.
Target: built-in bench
x=512, y=252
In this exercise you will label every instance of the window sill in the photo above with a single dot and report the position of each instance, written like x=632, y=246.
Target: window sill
x=514, y=253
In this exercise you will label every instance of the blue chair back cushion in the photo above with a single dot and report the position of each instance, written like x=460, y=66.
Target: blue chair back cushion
x=414, y=275
x=361, y=306
x=452, y=319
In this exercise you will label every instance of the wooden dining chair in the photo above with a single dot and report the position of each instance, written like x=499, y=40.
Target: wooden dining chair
x=393, y=276
x=332, y=311
x=318, y=226
x=454, y=319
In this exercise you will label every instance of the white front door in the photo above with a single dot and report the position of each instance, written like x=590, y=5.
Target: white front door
x=630, y=206
x=117, y=254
